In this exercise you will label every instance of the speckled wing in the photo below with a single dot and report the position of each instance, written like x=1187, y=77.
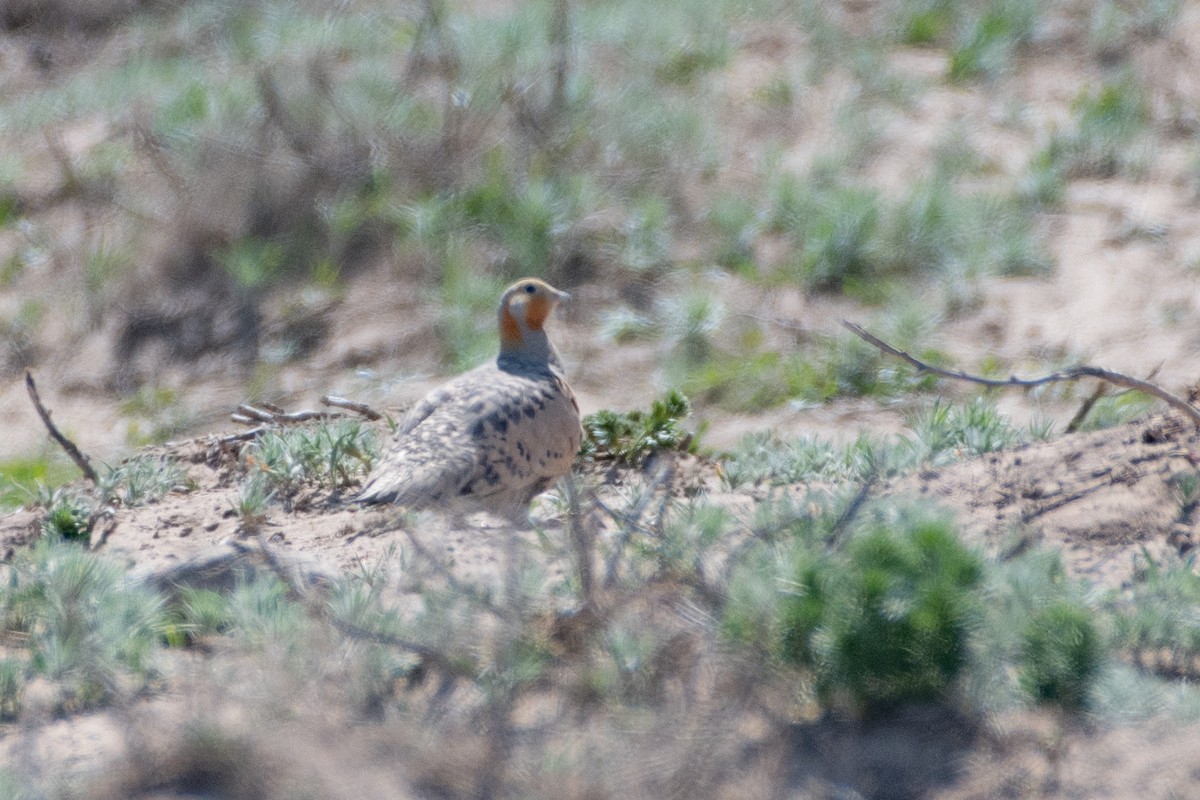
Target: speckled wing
x=486, y=434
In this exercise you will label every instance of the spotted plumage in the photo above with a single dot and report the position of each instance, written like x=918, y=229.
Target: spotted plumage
x=495, y=437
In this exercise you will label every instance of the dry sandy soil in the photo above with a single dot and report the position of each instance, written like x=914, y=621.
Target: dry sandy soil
x=1100, y=498
x=1125, y=294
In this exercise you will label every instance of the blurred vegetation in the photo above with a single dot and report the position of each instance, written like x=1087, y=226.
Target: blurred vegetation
x=230, y=152
x=248, y=149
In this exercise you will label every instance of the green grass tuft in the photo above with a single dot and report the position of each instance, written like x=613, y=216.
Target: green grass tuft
x=1062, y=653
x=86, y=628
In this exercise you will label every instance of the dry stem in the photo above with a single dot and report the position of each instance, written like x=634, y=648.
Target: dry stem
x=1072, y=374
x=74, y=452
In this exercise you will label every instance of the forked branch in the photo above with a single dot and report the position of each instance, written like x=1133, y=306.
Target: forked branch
x=1072, y=374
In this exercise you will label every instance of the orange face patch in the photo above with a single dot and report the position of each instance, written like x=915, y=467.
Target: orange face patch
x=510, y=331
x=536, y=311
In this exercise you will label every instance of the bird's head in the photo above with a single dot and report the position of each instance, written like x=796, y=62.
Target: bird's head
x=524, y=308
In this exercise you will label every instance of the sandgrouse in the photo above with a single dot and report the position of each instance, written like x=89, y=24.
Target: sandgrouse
x=492, y=438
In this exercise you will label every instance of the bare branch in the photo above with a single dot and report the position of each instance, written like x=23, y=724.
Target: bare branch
x=1072, y=374
x=81, y=461
x=361, y=409
x=252, y=415
x=268, y=416
x=245, y=436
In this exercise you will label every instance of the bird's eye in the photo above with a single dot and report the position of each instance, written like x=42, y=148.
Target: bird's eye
x=530, y=288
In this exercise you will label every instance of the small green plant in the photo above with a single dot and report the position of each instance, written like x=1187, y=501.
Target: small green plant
x=948, y=432
x=924, y=22
x=689, y=321
x=196, y=613
x=254, y=495
x=886, y=622
x=752, y=378
x=26, y=478
x=630, y=437
x=1061, y=655
x=261, y=614
x=691, y=59
x=1114, y=27
x=528, y=219
x=1109, y=122
x=737, y=222
x=837, y=229
x=68, y=516
x=991, y=39
x=1157, y=622
x=332, y=453
x=767, y=458
x=83, y=624
x=1185, y=489
x=140, y=480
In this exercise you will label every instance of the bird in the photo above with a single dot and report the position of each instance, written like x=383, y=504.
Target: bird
x=495, y=437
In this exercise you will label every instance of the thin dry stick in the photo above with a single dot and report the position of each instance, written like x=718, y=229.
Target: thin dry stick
x=81, y=461
x=248, y=414
x=1072, y=374
x=361, y=409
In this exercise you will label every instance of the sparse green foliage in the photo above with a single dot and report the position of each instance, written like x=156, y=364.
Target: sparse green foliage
x=1061, y=655
x=140, y=480
x=767, y=458
x=84, y=625
x=67, y=516
x=198, y=612
x=1157, y=621
x=253, y=497
x=888, y=621
x=1185, y=488
x=940, y=434
x=948, y=432
x=1116, y=409
x=18, y=337
x=631, y=437
x=467, y=309
x=261, y=614
x=990, y=40
x=983, y=37
x=333, y=454
x=1114, y=27
x=1110, y=123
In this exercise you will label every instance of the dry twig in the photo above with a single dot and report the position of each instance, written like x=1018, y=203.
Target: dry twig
x=1072, y=374
x=81, y=461
x=362, y=409
x=247, y=414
